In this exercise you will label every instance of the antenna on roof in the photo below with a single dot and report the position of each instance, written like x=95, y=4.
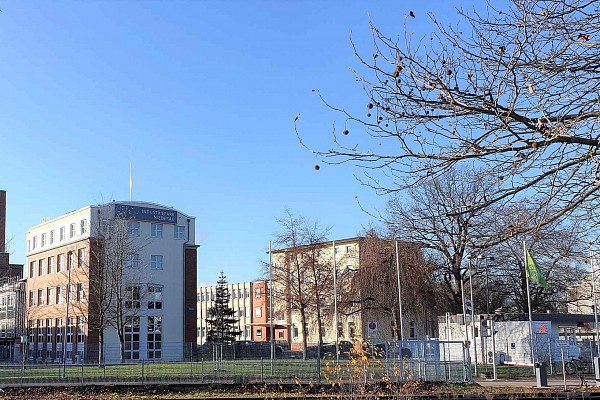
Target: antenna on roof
x=130, y=180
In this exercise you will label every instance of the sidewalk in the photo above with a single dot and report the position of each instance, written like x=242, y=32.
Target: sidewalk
x=554, y=381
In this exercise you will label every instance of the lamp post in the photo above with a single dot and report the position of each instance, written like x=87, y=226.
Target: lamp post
x=470, y=257
x=399, y=293
x=271, y=304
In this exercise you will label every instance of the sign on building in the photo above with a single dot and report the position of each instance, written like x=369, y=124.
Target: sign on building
x=145, y=214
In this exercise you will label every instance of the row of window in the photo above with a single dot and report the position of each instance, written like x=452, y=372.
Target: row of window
x=45, y=240
x=134, y=261
x=156, y=230
x=235, y=294
x=133, y=229
x=56, y=294
x=51, y=330
x=52, y=264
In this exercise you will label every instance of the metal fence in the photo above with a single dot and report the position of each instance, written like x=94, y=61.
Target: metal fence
x=396, y=361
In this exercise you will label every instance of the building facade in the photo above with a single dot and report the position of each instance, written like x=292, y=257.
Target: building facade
x=111, y=282
x=251, y=303
x=308, y=272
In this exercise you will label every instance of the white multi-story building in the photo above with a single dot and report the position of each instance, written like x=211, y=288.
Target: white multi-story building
x=121, y=274
x=240, y=301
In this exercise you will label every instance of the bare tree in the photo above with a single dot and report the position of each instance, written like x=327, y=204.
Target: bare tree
x=559, y=249
x=513, y=92
x=427, y=215
x=115, y=291
x=374, y=286
x=302, y=272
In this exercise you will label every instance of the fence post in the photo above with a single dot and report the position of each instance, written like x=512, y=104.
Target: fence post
x=82, y=372
x=142, y=371
x=262, y=375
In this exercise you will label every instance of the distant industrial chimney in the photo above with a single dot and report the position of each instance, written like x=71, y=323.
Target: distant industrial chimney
x=2, y=221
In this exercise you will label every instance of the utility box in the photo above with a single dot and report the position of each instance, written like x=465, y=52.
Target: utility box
x=597, y=370
x=541, y=374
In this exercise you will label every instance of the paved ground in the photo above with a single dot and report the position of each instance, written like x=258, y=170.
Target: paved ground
x=554, y=381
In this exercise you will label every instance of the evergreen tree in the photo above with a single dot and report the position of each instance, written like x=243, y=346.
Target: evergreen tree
x=221, y=321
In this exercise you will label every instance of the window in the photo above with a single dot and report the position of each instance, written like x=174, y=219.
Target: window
x=80, y=291
x=259, y=333
x=58, y=323
x=82, y=257
x=61, y=233
x=51, y=266
x=132, y=297
x=411, y=330
x=132, y=339
x=71, y=292
x=72, y=230
x=60, y=294
x=258, y=312
x=31, y=269
x=40, y=331
x=156, y=230
x=349, y=249
x=61, y=263
x=41, y=266
x=156, y=262
x=133, y=228
x=83, y=226
x=179, y=232
x=31, y=298
x=280, y=335
x=71, y=260
x=70, y=330
x=133, y=261
x=40, y=297
x=80, y=329
x=50, y=295
x=34, y=242
x=154, y=338
x=49, y=332
x=155, y=297
x=52, y=236
x=43, y=240
x=257, y=292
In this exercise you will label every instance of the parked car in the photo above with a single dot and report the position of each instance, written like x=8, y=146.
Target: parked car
x=251, y=349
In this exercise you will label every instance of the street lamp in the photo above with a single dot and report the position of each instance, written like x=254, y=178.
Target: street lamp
x=470, y=258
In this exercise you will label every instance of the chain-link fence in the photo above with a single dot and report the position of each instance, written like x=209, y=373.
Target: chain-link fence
x=246, y=363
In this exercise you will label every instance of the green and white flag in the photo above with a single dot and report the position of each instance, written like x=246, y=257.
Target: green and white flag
x=534, y=274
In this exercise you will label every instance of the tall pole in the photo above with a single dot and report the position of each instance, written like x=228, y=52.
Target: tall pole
x=593, y=267
x=271, y=304
x=528, y=302
x=68, y=300
x=399, y=294
x=335, y=310
x=462, y=295
x=472, y=313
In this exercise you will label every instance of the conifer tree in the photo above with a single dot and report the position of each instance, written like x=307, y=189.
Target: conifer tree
x=221, y=321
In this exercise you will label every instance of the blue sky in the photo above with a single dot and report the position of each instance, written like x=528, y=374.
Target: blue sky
x=201, y=97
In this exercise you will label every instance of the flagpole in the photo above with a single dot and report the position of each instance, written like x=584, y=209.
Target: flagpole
x=336, y=322
x=528, y=301
x=592, y=268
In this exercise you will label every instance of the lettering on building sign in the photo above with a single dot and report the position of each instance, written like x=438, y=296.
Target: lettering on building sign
x=145, y=214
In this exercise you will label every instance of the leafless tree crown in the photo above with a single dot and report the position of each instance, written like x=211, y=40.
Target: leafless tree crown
x=514, y=93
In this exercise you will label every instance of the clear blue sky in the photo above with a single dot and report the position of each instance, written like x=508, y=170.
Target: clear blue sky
x=201, y=97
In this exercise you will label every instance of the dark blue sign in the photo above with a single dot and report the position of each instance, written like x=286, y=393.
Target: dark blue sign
x=145, y=214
